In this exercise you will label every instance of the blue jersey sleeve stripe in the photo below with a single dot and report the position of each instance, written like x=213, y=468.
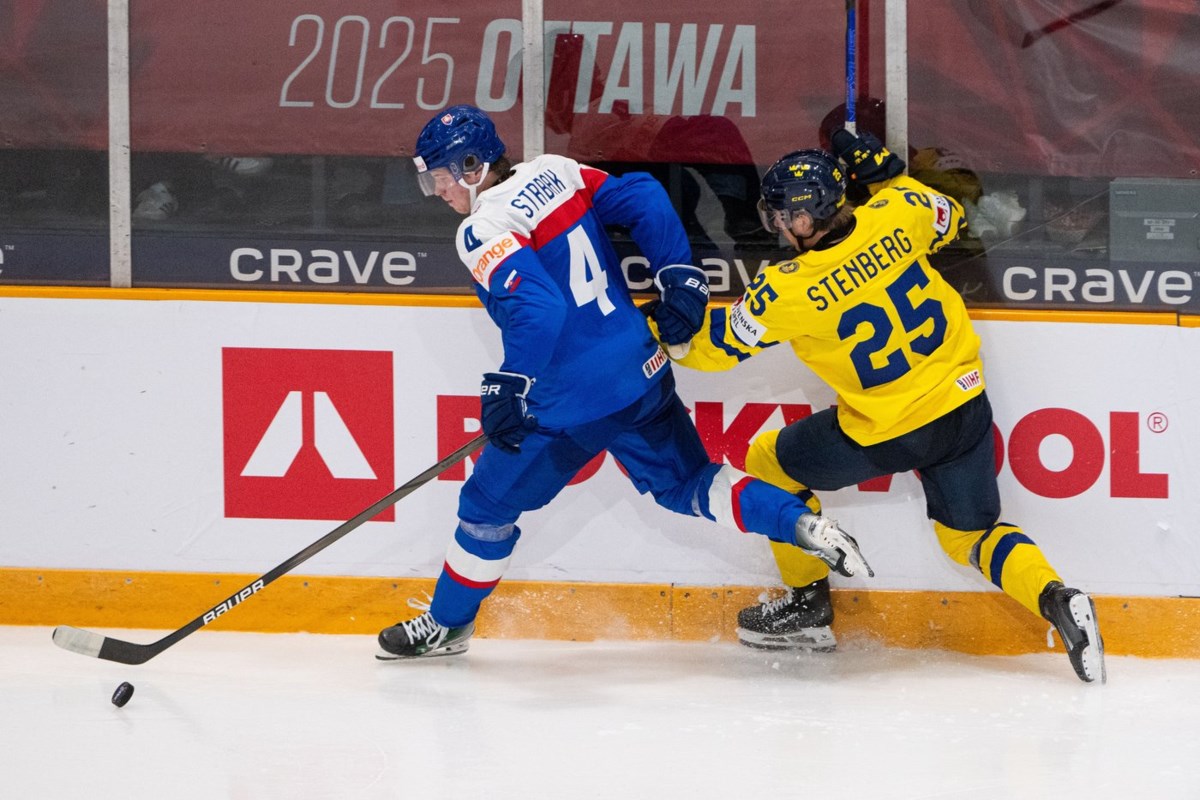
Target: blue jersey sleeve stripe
x=716, y=334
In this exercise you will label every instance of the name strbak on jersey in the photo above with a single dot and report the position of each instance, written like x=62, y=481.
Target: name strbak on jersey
x=538, y=192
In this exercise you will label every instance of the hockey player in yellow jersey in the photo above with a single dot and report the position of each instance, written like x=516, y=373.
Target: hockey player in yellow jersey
x=862, y=307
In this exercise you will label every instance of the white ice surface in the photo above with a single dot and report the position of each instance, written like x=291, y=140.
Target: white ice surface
x=227, y=715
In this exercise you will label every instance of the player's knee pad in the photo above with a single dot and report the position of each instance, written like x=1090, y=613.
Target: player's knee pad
x=475, y=504
x=959, y=545
x=762, y=462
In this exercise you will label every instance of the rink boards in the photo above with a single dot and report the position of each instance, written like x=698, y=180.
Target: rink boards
x=163, y=449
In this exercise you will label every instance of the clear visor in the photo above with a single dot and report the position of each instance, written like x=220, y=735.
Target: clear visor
x=435, y=181
x=774, y=220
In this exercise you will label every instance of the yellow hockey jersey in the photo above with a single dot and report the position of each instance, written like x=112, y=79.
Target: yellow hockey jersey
x=868, y=315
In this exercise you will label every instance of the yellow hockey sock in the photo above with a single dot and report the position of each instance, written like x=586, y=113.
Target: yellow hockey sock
x=796, y=567
x=1005, y=556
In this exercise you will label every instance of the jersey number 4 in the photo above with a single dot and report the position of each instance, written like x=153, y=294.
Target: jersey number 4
x=589, y=281
x=912, y=317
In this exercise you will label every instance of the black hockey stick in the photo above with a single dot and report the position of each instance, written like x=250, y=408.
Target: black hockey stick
x=1067, y=21
x=851, y=123
x=96, y=645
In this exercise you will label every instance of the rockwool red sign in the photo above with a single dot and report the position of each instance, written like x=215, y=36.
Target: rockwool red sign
x=1114, y=441
x=308, y=433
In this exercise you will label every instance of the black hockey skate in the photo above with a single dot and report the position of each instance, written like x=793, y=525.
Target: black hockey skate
x=1074, y=617
x=423, y=638
x=800, y=620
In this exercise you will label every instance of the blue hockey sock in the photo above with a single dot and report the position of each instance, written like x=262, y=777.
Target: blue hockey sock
x=739, y=501
x=475, y=563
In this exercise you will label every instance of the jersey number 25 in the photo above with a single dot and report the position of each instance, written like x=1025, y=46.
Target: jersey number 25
x=912, y=317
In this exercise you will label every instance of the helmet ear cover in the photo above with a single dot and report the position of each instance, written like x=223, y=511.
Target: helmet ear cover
x=462, y=140
x=802, y=182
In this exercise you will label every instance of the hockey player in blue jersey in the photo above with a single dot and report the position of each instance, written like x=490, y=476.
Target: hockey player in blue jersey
x=581, y=371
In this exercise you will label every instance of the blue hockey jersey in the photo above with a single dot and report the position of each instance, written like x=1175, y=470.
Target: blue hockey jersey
x=548, y=275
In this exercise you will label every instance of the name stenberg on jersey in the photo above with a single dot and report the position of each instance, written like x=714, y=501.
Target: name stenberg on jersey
x=860, y=268
x=538, y=192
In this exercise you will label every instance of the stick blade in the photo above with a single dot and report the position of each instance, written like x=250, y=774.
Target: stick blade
x=95, y=645
x=78, y=640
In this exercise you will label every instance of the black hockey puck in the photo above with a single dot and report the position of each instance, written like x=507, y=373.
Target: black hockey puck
x=122, y=694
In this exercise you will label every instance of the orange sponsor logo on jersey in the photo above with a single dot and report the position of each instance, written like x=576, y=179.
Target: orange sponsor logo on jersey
x=496, y=251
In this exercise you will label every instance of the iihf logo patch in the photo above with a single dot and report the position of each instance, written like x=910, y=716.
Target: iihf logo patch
x=969, y=381
x=654, y=363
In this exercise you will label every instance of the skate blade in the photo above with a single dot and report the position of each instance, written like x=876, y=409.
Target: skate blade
x=1083, y=610
x=813, y=640
x=452, y=650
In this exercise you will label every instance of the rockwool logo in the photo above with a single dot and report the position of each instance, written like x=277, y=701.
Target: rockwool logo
x=308, y=433
x=1111, y=444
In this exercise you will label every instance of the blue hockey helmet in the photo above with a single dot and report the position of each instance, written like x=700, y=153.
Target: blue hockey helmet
x=803, y=182
x=462, y=139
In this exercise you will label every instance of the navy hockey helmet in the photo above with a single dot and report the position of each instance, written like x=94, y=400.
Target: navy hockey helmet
x=804, y=182
x=462, y=139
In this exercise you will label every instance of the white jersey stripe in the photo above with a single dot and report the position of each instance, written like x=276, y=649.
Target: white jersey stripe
x=721, y=499
x=472, y=567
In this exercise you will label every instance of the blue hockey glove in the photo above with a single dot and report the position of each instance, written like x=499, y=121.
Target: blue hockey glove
x=684, y=291
x=866, y=158
x=506, y=418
